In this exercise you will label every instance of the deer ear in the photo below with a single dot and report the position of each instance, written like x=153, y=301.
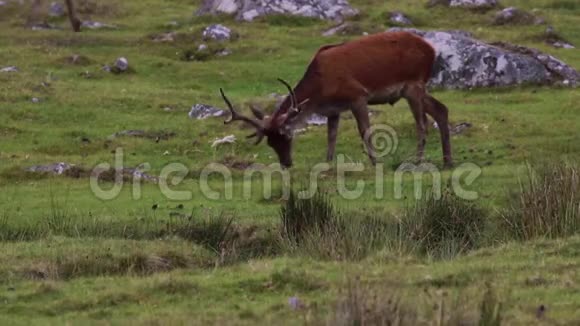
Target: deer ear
x=258, y=113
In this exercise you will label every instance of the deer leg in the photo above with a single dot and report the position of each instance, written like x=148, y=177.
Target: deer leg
x=74, y=21
x=35, y=12
x=414, y=96
x=440, y=114
x=332, y=125
x=361, y=114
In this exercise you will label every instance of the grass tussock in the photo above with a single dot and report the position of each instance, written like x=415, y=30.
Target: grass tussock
x=362, y=304
x=548, y=204
x=445, y=227
x=313, y=227
x=440, y=228
x=139, y=264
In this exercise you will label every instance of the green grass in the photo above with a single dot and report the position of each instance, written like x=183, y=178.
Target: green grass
x=70, y=257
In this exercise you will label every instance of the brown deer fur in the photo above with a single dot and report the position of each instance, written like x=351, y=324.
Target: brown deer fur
x=375, y=69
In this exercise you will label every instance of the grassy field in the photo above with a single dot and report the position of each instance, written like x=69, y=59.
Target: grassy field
x=68, y=256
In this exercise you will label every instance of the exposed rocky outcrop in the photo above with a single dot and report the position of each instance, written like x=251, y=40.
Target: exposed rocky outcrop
x=75, y=171
x=217, y=32
x=203, y=111
x=248, y=10
x=470, y=4
x=515, y=16
x=465, y=62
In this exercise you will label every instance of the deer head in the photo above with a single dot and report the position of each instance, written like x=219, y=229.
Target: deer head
x=276, y=128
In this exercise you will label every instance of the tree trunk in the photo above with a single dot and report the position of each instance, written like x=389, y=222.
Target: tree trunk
x=74, y=21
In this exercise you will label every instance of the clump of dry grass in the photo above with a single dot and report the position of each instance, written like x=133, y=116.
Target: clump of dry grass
x=369, y=304
x=548, y=204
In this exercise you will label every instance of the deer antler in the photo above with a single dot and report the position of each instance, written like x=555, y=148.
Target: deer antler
x=290, y=92
x=237, y=116
x=294, y=104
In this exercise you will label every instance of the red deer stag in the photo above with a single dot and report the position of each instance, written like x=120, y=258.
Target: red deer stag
x=375, y=69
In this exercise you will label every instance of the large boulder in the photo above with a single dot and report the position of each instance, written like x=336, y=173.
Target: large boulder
x=464, y=62
x=248, y=10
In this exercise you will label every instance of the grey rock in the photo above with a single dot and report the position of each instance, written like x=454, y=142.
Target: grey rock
x=470, y=4
x=56, y=9
x=56, y=168
x=399, y=18
x=35, y=100
x=464, y=62
x=9, y=69
x=223, y=53
x=474, y=3
x=562, y=45
x=459, y=128
x=122, y=64
x=217, y=32
x=97, y=25
x=248, y=10
x=561, y=72
x=554, y=39
x=164, y=37
x=515, y=16
x=316, y=120
x=203, y=111
x=42, y=26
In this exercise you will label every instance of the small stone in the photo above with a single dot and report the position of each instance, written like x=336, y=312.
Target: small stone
x=223, y=53
x=172, y=23
x=35, y=100
x=230, y=139
x=399, y=18
x=203, y=111
x=57, y=168
x=97, y=25
x=122, y=64
x=514, y=16
x=56, y=9
x=217, y=32
x=9, y=69
x=164, y=37
x=249, y=10
x=316, y=120
x=295, y=303
x=42, y=26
